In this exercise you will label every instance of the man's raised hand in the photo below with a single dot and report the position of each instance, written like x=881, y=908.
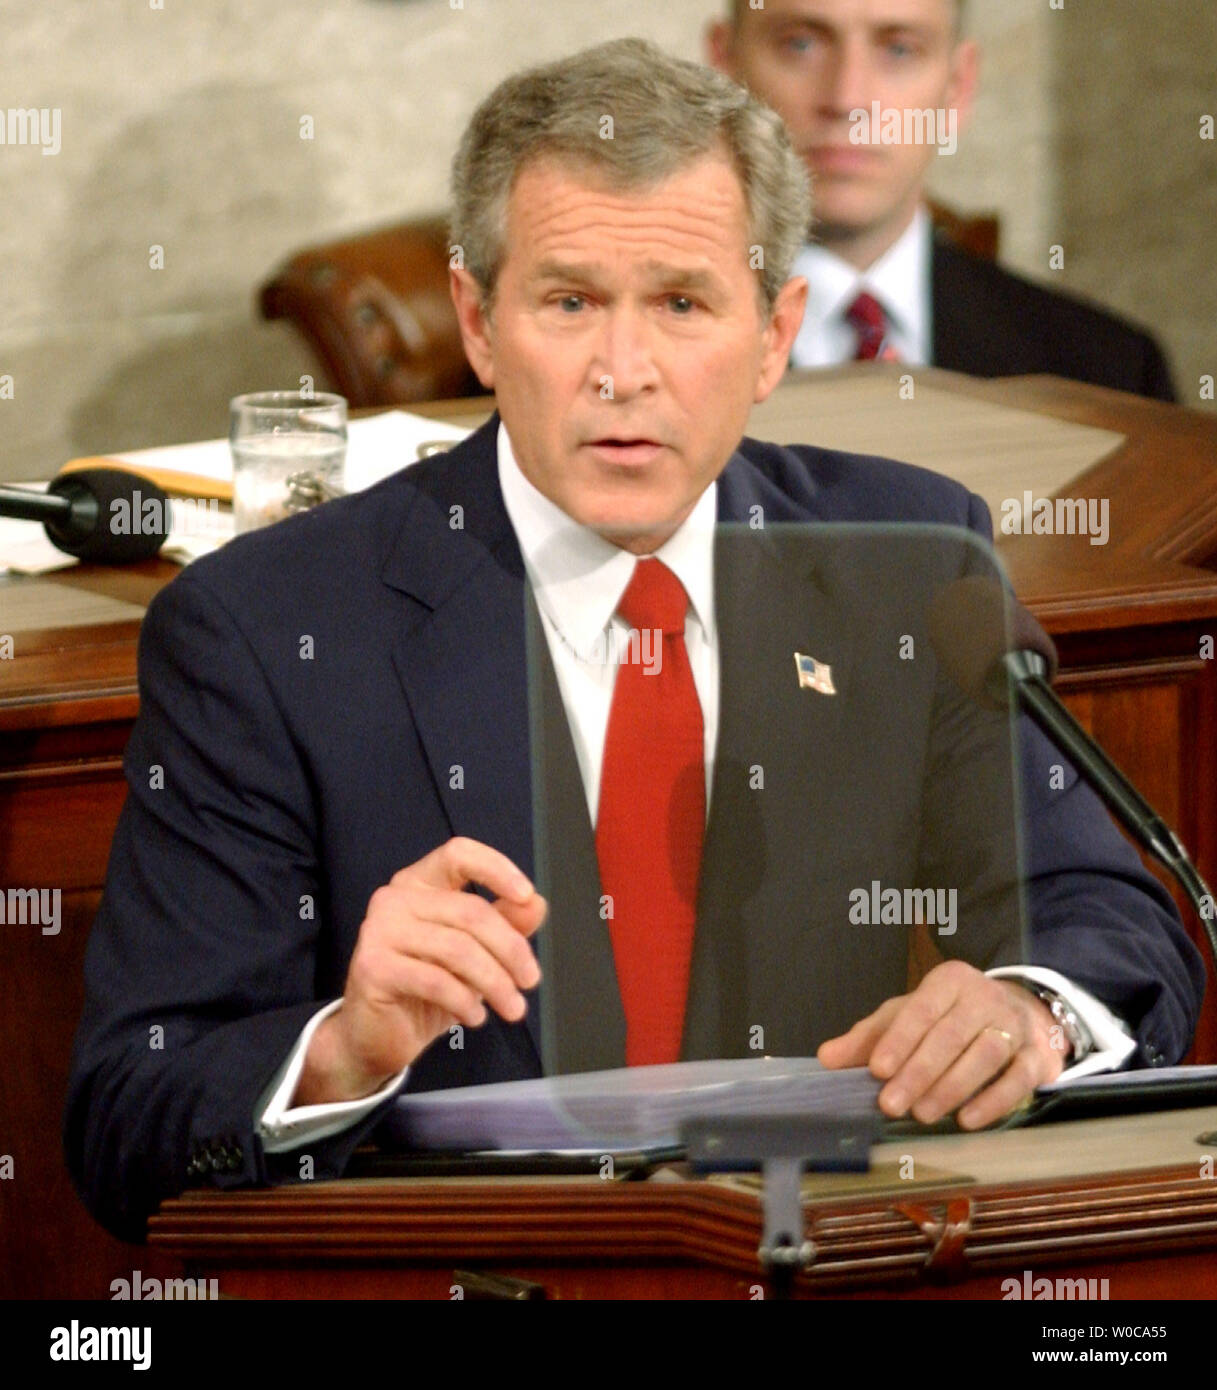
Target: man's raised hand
x=429, y=956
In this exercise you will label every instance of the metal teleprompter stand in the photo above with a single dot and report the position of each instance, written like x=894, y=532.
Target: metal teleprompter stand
x=783, y=1147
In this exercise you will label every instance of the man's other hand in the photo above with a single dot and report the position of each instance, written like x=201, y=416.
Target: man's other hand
x=429, y=956
x=959, y=1037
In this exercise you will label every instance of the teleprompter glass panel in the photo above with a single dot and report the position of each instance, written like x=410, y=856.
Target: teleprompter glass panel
x=863, y=807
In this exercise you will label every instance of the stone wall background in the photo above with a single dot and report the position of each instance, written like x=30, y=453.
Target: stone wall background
x=181, y=129
x=1136, y=197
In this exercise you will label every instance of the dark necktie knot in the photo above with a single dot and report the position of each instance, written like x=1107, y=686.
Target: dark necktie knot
x=655, y=598
x=869, y=321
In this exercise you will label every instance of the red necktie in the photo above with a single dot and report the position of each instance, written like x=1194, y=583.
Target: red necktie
x=652, y=817
x=870, y=323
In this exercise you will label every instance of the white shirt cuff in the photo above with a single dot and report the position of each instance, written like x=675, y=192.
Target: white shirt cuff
x=1113, y=1043
x=283, y=1127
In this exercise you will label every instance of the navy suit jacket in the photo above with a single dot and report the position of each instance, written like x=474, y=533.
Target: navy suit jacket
x=988, y=322
x=305, y=696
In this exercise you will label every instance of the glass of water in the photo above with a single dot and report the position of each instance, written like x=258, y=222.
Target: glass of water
x=288, y=449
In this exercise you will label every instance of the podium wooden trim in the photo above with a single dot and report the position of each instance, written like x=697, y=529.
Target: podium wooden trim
x=584, y=1237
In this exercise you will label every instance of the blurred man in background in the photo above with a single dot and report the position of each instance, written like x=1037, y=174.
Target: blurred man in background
x=845, y=76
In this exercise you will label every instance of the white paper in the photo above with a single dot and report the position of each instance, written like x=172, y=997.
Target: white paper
x=377, y=446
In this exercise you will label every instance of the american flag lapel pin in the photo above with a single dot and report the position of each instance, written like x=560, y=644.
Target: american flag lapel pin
x=814, y=675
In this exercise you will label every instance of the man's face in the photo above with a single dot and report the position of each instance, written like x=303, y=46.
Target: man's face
x=626, y=342
x=815, y=61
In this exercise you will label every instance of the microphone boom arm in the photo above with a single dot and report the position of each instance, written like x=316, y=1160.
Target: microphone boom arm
x=1028, y=670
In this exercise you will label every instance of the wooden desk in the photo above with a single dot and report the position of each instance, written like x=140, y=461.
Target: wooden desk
x=1129, y=618
x=1118, y=1199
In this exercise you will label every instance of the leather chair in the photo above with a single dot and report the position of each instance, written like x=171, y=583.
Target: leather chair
x=375, y=308
x=376, y=312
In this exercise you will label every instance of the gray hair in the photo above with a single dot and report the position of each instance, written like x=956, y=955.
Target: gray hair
x=665, y=114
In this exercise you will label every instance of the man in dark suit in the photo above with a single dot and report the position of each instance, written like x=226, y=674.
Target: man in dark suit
x=882, y=282
x=333, y=743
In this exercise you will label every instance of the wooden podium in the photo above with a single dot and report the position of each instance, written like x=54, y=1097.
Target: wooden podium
x=1129, y=618
x=1138, y=1222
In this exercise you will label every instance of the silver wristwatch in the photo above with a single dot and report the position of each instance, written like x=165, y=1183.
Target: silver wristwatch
x=1076, y=1033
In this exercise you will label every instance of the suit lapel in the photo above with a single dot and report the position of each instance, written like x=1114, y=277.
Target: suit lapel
x=459, y=650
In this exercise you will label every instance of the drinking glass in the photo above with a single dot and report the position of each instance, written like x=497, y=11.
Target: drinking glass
x=288, y=449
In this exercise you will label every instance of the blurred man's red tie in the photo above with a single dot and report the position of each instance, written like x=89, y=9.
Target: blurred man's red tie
x=870, y=323
x=652, y=817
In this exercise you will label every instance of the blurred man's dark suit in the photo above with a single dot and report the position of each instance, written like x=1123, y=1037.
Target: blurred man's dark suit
x=331, y=698
x=988, y=322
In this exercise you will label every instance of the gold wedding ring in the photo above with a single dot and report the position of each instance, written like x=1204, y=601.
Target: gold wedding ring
x=1001, y=1032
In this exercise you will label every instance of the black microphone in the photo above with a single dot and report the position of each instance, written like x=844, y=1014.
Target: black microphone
x=967, y=624
x=97, y=514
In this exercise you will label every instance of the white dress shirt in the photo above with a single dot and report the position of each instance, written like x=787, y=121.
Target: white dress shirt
x=899, y=280
x=579, y=578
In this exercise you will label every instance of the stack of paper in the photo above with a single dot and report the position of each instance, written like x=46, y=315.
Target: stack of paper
x=632, y=1108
